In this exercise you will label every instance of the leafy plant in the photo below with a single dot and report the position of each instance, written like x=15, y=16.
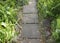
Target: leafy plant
x=8, y=13
x=48, y=8
x=55, y=25
x=51, y=9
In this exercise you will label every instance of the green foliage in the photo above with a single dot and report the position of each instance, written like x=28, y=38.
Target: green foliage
x=51, y=8
x=44, y=7
x=8, y=13
x=48, y=7
x=55, y=25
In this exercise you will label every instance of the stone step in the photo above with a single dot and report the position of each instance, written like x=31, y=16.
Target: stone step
x=30, y=27
x=32, y=0
x=30, y=8
x=30, y=18
x=31, y=41
x=30, y=30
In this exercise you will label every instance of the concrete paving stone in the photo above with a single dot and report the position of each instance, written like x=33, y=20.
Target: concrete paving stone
x=30, y=18
x=32, y=0
x=30, y=8
x=25, y=41
x=34, y=40
x=31, y=41
x=30, y=31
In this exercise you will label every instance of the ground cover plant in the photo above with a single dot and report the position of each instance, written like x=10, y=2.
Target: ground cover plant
x=8, y=19
x=50, y=9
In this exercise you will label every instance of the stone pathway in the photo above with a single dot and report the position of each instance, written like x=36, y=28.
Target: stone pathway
x=30, y=32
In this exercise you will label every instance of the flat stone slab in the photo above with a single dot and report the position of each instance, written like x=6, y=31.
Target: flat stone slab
x=30, y=18
x=31, y=41
x=32, y=0
x=30, y=8
x=30, y=31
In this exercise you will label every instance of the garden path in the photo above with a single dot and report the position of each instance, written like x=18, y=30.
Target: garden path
x=30, y=27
